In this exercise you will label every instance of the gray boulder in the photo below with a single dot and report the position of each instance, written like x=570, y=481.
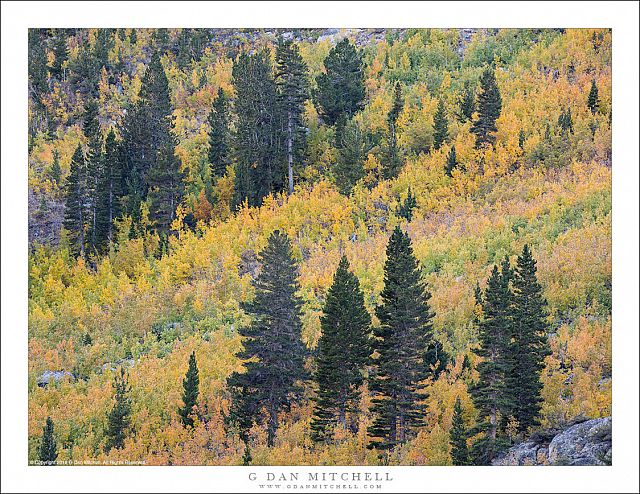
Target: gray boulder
x=53, y=376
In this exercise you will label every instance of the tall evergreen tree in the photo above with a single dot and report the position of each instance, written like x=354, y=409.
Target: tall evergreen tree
x=119, y=418
x=344, y=350
x=109, y=192
x=93, y=159
x=401, y=342
x=258, y=137
x=340, y=90
x=406, y=208
x=166, y=188
x=291, y=80
x=55, y=172
x=489, y=106
x=452, y=162
x=38, y=74
x=48, y=450
x=349, y=167
x=467, y=105
x=529, y=344
x=392, y=160
x=75, y=212
x=490, y=395
x=440, y=126
x=59, y=54
x=458, y=437
x=219, y=135
x=565, y=121
x=271, y=380
x=190, y=392
x=593, y=102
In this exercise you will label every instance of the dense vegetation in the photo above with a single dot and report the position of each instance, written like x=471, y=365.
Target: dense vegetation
x=439, y=205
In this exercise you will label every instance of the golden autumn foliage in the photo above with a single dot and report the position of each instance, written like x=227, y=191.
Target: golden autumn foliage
x=149, y=313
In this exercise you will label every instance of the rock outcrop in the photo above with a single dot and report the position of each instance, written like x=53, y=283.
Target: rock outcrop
x=584, y=443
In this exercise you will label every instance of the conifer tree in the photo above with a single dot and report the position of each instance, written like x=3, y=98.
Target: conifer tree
x=93, y=160
x=219, y=135
x=393, y=161
x=166, y=188
x=529, y=346
x=38, y=74
x=119, y=418
x=340, y=90
x=343, y=352
x=452, y=162
x=565, y=121
x=458, y=437
x=521, y=139
x=440, y=126
x=75, y=212
x=435, y=360
x=55, y=172
x=489, y=106
x=349, y=167
x=406, y=208
x=467, y=105
x=258, y=137
x=401, y=342
x=291, y=80
x=190, y=392
x=59, y=54
x=48, y=450
x=109, y=192
x=246, y=457
x=593, y=102
x=273, y=340
x=490, y=394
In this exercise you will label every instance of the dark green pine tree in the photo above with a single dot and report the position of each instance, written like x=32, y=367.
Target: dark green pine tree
x=110, y=192
x=119, y=418
x=593, y=102
x=467, y=105
x=291, y=80
x=93, y=159
x=529, y=345
x=38, y=73
x=59, y=54
x=490, y=394
x=48, y=450
x=271, y=380
x=258, y=137
x=340, y=88
x=392, y=159
x=166, y=188
x=190, y=392
x=55, y=172
x=246, y=457
x=84, y=70
x=219, y=135
x=133, y=36
x=406, y=208
x=440, y=126
x=75, y=211
x=400, y=342
x=343, y=351
x=435, y=360
x=349, y=167
x=452, y=162
x=489, y=106
x=458, y=437
x=565, y=121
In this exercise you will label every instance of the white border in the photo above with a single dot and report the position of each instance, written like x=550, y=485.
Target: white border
x=621, y=16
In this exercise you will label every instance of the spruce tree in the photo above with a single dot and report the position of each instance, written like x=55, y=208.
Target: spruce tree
x=406, y=208
x=93, y=159
x=38, y=73
x=349, y=167
x=258, y=137
x=55, y=172
x=59, y=54
x=489, y=106
x=75, y=212
x=490, y=395
x=440, y=126
x=48, y=450
x=529, y=345
x=343, y=352
x=119, y=418
x=219, y=135
x=110, y=192
x=565, y=121
x=593, y=102
x=291, y=80
x=392, y=159
x=166, y=189
x=452, y=162
x=467, y=105
x=458, y=437
x=190, y=392
x=271, y=380
x=246, y=457
x=400, y=342
x=340, y=88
